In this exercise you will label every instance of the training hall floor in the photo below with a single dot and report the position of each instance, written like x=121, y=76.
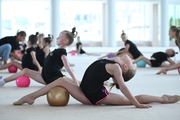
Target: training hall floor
x=144, y=82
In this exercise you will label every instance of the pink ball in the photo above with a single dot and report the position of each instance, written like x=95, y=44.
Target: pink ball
x=23, y=81
x=12, y=69
x=179, y=70
x=73, y=53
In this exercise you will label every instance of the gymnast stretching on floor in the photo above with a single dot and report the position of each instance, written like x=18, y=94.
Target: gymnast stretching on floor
x=92, y=90
x=158, y=59
x=130, y=49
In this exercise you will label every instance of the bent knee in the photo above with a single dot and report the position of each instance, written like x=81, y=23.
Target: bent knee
x=25, y=71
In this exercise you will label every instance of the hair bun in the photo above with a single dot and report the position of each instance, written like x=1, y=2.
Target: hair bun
x=49, y=35
x=37, y=33
x=122, y=31
x=74, y=32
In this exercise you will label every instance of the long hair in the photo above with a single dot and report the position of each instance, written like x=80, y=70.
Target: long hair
x=126, y=75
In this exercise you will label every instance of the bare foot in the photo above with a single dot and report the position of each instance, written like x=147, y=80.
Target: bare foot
x=171, y=98
x=26, y=99
x=161, y=71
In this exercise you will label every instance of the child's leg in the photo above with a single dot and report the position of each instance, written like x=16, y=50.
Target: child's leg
x=143, y=58
x=17, y=64
x=164, y=64
x=116, y=99
x=127, y=53
x=30, y=73
x=73, y=89
x=5, y=52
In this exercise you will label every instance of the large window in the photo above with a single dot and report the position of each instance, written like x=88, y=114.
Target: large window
x=30, y=16
x=85, y=15
x=134, y=19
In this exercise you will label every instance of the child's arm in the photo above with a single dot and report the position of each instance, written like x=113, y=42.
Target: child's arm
x=120, y=81
x=35, y=61
x=66, y=65
x=170, y=61
x=15, y=56
x=46, y=51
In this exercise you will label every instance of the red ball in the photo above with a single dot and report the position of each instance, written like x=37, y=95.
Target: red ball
x=23, y=81
x=12, y=69
x=179, y=70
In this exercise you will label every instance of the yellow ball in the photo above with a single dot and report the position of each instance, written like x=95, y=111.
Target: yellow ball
x=58, y=96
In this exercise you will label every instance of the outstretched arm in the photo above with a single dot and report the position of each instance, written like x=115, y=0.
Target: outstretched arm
x=170, y=61
x=66, y=65
x=120, y=80
x=15, y=55
x=171, y=67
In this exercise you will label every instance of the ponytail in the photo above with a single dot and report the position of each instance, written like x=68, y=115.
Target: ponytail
x=71, y=35
x=123, y=33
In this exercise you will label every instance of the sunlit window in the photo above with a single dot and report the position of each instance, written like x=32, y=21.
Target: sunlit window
x=30, y=16
x=85, y=15
x=134, y=19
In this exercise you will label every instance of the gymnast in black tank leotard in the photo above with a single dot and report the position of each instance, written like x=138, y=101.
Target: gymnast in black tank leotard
x=93, y=79
x=52, y=65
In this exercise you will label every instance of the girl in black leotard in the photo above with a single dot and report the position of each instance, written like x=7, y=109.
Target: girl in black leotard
x=42, y=53
x=92, y=90
x=28, y=59
x=158, y=58
x=130, y=49
x=52, y=63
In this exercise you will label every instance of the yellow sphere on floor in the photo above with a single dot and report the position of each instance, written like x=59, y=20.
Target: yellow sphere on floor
x=58, y=96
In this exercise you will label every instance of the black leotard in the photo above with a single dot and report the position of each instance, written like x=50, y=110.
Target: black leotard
x=95, y=75
x=77, y=47
x=160, y=57
x=27, y=61
x=133, y=49
x=52, y=65
x=92, y=84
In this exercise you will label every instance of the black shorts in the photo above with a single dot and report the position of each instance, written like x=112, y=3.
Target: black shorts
x=97, y=97
x=154, y=63
x=49, y=80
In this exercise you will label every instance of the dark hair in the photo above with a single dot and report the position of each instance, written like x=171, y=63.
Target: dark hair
x=48, y=39
x=173, y=53
x=21, y=33
x=33, y=38
x=71, y=35
x=173, y=28
x=123, y=33
x=126, y=75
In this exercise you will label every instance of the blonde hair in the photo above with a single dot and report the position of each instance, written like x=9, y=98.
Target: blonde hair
x=126, y=75
x=71, y=35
